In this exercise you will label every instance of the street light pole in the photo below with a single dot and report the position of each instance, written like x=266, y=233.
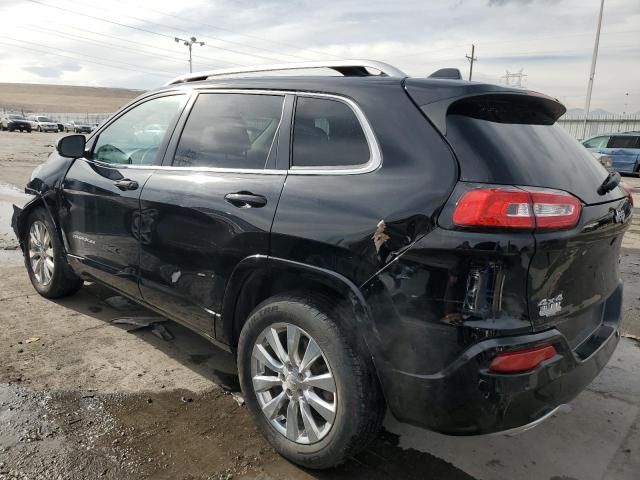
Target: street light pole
x=592, y=72
x=189, y=43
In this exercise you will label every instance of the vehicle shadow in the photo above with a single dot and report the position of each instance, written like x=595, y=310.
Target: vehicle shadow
x=382, y=459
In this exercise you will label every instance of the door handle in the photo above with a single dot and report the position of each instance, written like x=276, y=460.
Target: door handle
x=245, y=200
x=126, y=184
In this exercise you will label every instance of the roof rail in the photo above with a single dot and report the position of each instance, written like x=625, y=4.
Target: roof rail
x=354, y=68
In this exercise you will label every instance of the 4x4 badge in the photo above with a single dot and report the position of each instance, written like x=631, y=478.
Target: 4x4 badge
x=550, y=306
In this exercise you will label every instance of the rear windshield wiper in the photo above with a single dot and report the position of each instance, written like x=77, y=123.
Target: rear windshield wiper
x=609, y=183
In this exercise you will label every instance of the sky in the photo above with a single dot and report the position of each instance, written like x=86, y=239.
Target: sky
x=128, y=43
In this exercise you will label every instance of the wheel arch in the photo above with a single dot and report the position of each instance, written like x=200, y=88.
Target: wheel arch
x=260, y=277
x=20, y=215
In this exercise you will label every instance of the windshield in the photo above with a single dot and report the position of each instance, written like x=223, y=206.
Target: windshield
x=16, y=117
x=44, y=119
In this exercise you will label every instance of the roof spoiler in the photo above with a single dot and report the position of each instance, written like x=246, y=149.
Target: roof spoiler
x=447, y=73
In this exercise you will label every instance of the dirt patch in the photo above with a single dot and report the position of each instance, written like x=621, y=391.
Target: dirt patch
x=26, y=97
x=175, y=435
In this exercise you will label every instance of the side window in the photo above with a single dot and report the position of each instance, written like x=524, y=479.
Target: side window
x=627, y=141
x=598, y=142
x=327, y=133
x=230, y=130
x=134, y=138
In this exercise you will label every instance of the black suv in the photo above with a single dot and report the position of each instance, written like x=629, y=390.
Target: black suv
x=435, y=246
x=14, y=121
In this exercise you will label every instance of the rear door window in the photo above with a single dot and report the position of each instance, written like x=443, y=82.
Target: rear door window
x=230, y=130
x=623, y=141
x=327, y=133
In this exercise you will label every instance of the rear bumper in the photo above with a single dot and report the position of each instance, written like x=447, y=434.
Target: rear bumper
x=467, y=399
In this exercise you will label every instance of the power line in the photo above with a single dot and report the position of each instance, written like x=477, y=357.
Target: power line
x=75, y=58
x=275, y=42
x=85, y=55
x=173, y=28
x=153, y=46
x=102, y=44
x=100, y=19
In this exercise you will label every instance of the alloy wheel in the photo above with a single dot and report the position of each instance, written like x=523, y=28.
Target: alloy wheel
x=294, y=384
x=41, y=253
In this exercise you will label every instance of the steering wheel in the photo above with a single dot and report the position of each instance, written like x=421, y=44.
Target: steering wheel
x=111, y=154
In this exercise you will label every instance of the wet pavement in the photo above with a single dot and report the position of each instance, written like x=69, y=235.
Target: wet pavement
x=82, y=398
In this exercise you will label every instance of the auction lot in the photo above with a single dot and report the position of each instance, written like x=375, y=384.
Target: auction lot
x=83, y=398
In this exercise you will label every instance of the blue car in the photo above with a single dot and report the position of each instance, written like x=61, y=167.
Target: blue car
x=622, y=148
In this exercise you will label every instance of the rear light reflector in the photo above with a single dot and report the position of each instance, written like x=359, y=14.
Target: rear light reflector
x=627, y=189
x=517, y=207
x=522, y=360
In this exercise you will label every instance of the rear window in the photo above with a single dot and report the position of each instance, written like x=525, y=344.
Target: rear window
x=515, y=140
x=327, y=133
x=626, y=141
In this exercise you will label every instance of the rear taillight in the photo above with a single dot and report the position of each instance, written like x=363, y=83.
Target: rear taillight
x=627, y=189
x=517, y=207
x=521, y=360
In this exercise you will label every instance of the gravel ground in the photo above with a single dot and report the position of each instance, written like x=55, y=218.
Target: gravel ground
x=82, y=398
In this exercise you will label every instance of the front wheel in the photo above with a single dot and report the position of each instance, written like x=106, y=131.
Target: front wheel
x=49, y=272
x=314, y=395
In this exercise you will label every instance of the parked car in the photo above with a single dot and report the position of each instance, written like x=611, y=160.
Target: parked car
x=14, y=121
x=605, y=160
x=359, y=243
x=42, y=124
x=622, y=148
x=77, y=127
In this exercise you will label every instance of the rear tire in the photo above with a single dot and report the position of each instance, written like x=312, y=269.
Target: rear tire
x=343, y=422
x=49, y=272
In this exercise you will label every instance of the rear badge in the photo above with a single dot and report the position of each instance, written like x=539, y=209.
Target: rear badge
x=550, y=306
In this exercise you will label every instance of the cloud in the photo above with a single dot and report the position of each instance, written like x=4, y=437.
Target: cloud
x=52, y=71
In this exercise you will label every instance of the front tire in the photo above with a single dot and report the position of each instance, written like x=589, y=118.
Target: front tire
x=49, y=272
x=314, y=395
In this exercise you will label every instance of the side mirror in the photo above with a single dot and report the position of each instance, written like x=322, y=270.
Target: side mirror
x=71, y=146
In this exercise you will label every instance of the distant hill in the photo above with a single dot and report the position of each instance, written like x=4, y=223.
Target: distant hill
x=30, y=97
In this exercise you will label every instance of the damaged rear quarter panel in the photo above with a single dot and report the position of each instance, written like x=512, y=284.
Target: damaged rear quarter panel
x=443, y=295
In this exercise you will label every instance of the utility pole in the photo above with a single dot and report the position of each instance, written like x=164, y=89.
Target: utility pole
x=592, y=72
x=471, y=59
x=189, y=43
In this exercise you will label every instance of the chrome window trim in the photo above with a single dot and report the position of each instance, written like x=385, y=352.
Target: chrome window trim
x=375, y=153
